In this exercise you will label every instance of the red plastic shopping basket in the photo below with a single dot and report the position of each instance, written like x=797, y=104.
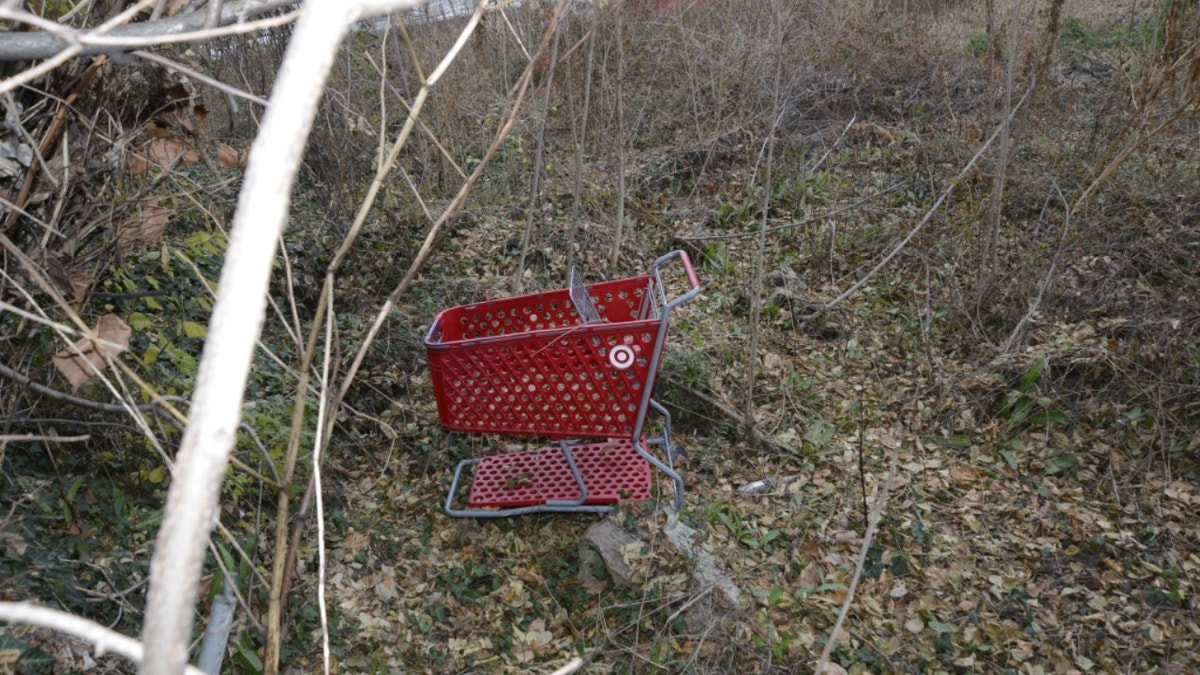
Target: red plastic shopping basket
x=529, y=365
x=575, y=363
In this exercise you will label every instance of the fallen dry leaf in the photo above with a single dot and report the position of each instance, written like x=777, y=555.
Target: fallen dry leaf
x=114, y=339
x=164, y=151
x=811, y=575
x=161, y=152
x=144, y=229
x=14, y=545
x=356, y=541
x=965, y=474
x=386, y=589
x=230, y=158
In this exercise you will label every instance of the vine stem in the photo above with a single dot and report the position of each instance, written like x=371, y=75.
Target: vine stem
x=872, y=526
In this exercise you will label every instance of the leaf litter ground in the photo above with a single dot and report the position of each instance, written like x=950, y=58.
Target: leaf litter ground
x=1009, y=543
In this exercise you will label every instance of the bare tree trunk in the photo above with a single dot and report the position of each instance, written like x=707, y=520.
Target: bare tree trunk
x=989, y=97
x=192, y=502
x=989, y=262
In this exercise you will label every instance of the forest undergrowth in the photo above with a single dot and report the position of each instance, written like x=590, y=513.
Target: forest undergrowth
x=1015, y=393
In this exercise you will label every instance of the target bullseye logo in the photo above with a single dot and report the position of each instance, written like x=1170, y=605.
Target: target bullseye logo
x=621, y=357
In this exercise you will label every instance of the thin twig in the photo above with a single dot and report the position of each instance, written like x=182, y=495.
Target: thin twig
x=322, y=406
x=535, y=187
x=570, y=667
x=112, y=36
x=280, y=572
x=30, y=74
x=508, y=121
x=729, y=411
x=862, y=469
x=26, y=438
x=212, y=82
x=622, y=150
x=761, y=249
x=872, y=526
x=26, y=381
x=58, y=326
x=1046, y=280
x=236, y=322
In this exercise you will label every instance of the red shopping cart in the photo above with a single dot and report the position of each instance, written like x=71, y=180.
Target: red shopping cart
x=571, y=364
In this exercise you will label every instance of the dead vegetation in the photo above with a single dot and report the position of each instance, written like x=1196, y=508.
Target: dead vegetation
x=1029, y=360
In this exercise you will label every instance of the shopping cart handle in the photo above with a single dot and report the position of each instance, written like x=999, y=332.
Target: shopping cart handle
x=693, y=280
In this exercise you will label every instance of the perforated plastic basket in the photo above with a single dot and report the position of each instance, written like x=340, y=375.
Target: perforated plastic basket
x=612, y=471
x=529, y=365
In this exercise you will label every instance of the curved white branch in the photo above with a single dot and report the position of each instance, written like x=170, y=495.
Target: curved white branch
x=30, y=46
x=237, y=319
x=104, y=639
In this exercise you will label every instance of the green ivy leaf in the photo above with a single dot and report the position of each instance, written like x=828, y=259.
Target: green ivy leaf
x=193, y=329
x=151, y=355
x=1065, y=461
x=35, y=662
x=184, y=361
x=1031, y=376
x=1009, y=458
x=247, y=657
x=139, y=322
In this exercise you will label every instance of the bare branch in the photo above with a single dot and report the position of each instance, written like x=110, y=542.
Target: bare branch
x=236, y=322
x=29, y=438
x=30, y=46
x=179, y=67
x=104, y=639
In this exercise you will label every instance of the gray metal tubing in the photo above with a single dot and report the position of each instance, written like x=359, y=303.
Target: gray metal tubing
x=665, y=441
x=692, y=292
x=669, y=467
x=566, y=451
x=552, y=506
x=449, y=508
x=661, y=338
x=216, y=633
x=675, y=477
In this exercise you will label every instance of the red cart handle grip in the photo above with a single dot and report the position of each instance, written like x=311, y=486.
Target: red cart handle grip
x=693, y=280
x=691, y=271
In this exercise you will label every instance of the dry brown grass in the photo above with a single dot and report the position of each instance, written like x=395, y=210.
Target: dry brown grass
x=1117, y=320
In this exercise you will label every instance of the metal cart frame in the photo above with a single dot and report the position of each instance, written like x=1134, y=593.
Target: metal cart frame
x=570, y=364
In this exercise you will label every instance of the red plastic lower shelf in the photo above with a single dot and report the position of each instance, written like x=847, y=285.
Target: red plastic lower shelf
x=612, y=471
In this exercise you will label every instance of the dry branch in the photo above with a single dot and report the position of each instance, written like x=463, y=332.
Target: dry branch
x=25, y=46
x=729, y=411
x=280, y=571
x=236, y=322
x=881, y=496
x=103, y=638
